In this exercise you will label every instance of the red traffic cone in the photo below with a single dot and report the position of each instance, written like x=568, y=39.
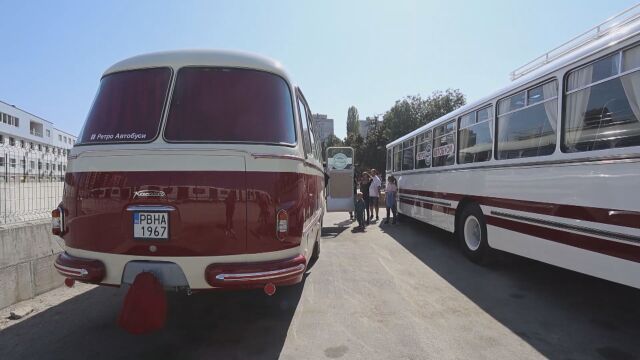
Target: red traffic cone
x=145, y=306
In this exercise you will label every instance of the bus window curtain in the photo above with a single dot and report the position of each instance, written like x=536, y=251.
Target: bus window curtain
x=577, y=107
x=549, y=91
x=631, y=85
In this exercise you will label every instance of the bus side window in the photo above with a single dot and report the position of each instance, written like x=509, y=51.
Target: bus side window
x=397, y=157
x=528, y=129
x=304, y=127
x=444, y=142
x=423, y=150
x=603, y=114
x=312, y=133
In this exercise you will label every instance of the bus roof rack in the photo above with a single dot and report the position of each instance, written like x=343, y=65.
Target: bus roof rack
x=611, y=24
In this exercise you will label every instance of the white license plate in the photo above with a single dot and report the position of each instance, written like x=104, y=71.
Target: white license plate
x=150, y=225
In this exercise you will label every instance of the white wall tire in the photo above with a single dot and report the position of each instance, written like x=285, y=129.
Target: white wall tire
x=472, y=233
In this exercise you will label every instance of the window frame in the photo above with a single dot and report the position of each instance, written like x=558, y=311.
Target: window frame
x=429, y=141
x=300, y=100
x=163, y=114
x=621, y=73
x=492, y=127
x=527, y=87
x=413, y=153
x=454, y=132
x=174, y=78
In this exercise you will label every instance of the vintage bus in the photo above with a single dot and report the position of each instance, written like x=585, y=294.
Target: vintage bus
x=201, y=167
x=547, y=168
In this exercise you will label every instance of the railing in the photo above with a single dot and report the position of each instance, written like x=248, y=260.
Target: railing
x=31, y=184
x=611, y=24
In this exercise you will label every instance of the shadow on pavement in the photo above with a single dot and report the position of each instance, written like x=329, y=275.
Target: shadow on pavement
x=208, y=325
x=562, y=314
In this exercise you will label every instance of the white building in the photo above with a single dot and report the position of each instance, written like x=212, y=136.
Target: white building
x=324, y=125
x=31, y=146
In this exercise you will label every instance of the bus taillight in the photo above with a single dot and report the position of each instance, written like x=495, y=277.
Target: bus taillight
x=282, y=224
x=56, y=221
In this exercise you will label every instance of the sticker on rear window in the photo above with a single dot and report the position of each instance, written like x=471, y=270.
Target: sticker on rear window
x=117, y=136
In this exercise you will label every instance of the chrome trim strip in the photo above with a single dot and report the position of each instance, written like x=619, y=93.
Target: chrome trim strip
x=262, y=275
x=420, y=198
x=583, y=229
x=150, y=208
x=71, y=271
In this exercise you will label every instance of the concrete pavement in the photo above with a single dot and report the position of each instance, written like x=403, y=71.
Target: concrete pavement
x=394, y=292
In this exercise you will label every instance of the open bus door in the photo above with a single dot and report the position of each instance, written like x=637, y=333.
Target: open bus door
x=341, y=169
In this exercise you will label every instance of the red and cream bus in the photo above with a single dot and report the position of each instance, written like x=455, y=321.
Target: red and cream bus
x=201, y=167
x=547, y=168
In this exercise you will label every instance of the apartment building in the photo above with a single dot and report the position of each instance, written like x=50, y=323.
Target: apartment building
x=31, y=147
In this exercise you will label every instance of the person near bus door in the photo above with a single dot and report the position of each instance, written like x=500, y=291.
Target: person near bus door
x=365, y=182
x=374, y=193
x=355, y=192
x=391, y=192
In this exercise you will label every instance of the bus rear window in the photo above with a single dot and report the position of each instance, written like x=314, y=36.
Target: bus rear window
x=230, y=105
x=128, y=107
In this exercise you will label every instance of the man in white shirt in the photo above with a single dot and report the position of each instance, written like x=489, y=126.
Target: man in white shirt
x=374, y=193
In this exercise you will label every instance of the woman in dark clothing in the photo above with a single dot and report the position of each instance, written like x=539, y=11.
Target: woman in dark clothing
x=365, y=182
x=355, y=192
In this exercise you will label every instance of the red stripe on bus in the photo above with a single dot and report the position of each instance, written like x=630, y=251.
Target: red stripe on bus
x=590, y=243
x=434, y=207
x=606, y=216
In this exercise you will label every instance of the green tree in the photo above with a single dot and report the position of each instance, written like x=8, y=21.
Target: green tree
x=373, y=152
x=352, y=121
x=413, y=111
x=332, y=140
x=357, y=143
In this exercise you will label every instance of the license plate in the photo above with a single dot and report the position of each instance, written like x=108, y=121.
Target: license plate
x=150, y=225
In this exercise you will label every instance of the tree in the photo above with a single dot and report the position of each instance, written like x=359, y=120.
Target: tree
x=413, y=112
x=332, y=140
x=404, y=116
x=352, y=121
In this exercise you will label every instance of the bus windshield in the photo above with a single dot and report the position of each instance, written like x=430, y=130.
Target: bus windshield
x=128, y=107
x=230, y=105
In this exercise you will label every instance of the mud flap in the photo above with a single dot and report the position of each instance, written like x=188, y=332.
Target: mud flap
x=145, y=306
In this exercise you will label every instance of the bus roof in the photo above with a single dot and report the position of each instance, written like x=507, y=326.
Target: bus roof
x=200, y=57
x=608, y=40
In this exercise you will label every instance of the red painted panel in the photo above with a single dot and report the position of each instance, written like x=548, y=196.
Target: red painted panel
x=606, y=216
x=217, y=212
x=607, y=247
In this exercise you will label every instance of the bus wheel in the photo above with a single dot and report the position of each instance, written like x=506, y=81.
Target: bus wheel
x=472, y=233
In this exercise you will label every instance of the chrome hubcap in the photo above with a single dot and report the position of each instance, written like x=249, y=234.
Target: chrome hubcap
x=472, y=233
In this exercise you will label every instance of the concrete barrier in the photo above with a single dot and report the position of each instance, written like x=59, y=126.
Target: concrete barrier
x=27, y=253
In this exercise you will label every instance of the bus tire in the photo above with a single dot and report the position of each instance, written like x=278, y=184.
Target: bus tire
x=472, y=233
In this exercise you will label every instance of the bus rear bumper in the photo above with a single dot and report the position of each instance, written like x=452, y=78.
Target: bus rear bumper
x=84, y=270
x=256, y=275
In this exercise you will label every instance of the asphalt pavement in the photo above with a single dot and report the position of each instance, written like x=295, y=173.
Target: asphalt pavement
x=400, y=291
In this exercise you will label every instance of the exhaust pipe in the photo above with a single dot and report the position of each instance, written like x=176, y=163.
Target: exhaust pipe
x=270, y=289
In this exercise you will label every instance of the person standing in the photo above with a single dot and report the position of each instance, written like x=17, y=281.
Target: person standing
x=364, y=189
x=391, y=192
x=374, y=194
x=355, y=192
x=359, y=210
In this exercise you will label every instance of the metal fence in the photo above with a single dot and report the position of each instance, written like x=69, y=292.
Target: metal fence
x=31, y=181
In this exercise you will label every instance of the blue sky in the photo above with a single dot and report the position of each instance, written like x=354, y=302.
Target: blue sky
x=363, y=53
